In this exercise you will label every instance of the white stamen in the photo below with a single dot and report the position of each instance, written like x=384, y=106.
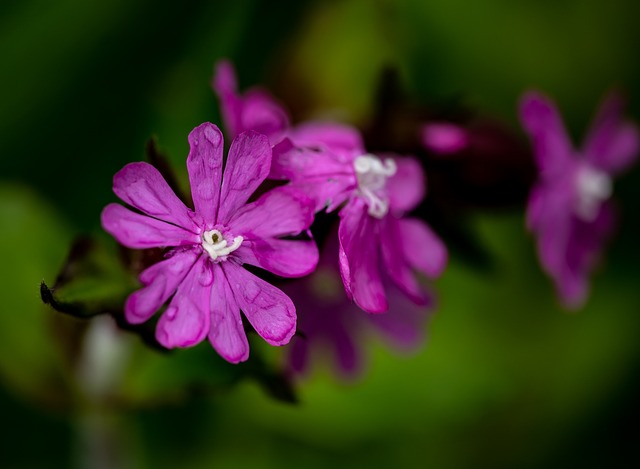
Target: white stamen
x=214, y=243
x=593, y=187
x=372, y=176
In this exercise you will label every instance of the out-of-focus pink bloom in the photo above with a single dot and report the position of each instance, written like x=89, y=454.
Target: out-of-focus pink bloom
x=255, y=110
x=444, y=137
x=202, y=272
x=569, y=208
x=328, y=162
x=328, y=321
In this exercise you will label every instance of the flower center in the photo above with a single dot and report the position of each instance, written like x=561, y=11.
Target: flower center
x=372, y=175
x=593, y=187
x=214, y=243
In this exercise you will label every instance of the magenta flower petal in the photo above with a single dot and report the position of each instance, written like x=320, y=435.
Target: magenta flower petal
x=279, y=256
x=553, y=225
x=535, y=207
x=342, y=140
x=160, y=282
x=567, y=263
x=584, y=250
x=247, y=166
x=269, y=310
x=140, y=231
x=404, y=325
x=347, y=356
x=422, y=247
x=573, y=288
x=224, y=84
x=204, y=164
x=282, y=211
x=612, y=144
x=359, y=257
x=407, y=187
x=293, y=162
x=143, y=187
x=554, y=230
x=569, y=248
x=541, y=119
x=263, y=114
x=186, y=321
x=257, y=110
x=227, y=334
x=552, y=247
x=299, y=355
x=397, y=267
x=328, y=194
x=321, y=175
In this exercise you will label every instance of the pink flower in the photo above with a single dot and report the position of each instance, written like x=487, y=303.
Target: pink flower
x=328, y=162
x=202, y=272
x=569, y=208
x=375, y=235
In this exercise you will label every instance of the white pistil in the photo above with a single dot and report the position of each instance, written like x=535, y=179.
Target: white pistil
x=593, y=187
x=214, y=243
x=372, y=174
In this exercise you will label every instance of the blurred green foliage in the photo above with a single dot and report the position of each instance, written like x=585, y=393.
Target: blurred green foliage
x=507, y=379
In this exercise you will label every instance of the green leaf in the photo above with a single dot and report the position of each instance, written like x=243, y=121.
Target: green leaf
x=33, y=242
x=94, y=280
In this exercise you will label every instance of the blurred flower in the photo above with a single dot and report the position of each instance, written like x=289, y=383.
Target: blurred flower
x=329, y=163
x=255, y=110
x=569, y=208
x=327, y=320
x=444, y=137
x=210, y=244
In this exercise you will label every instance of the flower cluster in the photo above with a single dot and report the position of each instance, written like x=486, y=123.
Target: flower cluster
x=328, y=162
x=379, y=251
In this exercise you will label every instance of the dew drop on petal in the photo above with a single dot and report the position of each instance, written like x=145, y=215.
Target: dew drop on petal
x=212, y=136
x=251, y=291
x=206, y=278
x=171, y=312
x=163, y=337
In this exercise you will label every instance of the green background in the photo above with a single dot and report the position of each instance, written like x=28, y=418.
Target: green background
x=507, y=378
